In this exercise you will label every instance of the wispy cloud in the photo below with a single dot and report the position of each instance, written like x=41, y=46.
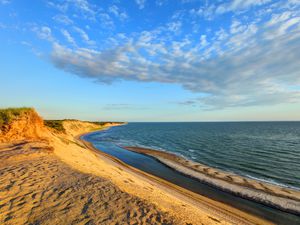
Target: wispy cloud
x=63, y=19
x=68, y=36
x=122, y=15
x=253, y=70
x=85, y=37
x=238, y=5
x=140, y=3
x=161, y=2
x=84, y=7
x=44, y=32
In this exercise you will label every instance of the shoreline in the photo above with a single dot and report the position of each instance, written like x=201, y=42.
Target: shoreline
x=222, y=210
x=275, y=196
x=51, y=176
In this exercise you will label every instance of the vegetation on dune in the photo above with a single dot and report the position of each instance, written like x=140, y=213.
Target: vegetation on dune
x=100, y=123
x=55, y=124
x=104, y=123
x=9, y=114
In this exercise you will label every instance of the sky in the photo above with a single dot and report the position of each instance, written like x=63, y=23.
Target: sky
x=152, y=60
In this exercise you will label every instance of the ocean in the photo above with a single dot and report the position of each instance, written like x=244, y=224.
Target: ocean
x=268, y=151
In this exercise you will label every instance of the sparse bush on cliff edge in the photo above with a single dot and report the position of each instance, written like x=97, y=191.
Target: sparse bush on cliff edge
x=55, y=124
x=9, y=114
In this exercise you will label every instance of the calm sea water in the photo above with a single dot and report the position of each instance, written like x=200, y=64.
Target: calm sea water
x=268, y=151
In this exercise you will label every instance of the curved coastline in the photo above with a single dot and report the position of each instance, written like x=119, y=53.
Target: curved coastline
x=228, y=213
x=181, y=202
x=282, y=198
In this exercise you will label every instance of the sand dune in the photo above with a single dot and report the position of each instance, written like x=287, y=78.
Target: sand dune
x=41, y=189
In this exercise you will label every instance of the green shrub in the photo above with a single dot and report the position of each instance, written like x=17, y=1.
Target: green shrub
x=99, y=123
x=104, y=123
x=55, y=124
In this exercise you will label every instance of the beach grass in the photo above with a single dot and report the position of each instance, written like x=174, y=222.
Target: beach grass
x=55, y=124
x=9, y=114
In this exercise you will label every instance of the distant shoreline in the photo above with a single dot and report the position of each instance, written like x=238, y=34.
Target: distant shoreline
x=276, y=196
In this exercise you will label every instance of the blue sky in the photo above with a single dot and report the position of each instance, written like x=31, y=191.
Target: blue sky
x=159, y=60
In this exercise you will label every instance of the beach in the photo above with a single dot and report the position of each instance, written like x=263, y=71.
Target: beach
x=43, y=190
x=276, y=196
x=50, y=177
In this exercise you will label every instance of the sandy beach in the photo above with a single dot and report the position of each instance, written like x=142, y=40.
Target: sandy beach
x=50, y=177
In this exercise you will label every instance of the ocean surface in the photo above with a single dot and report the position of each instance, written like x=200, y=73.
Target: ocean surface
x=268, y=151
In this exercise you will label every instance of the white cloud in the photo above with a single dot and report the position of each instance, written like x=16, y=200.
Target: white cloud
x=84, y=36
x=288, y=24
x=207, y=12
x=140, y=3
x=63, y=7
x=203, y=41
x=43, y=32
x=281, y=23
x=211, y=9
x=237, y=5
x=251, y=61
x=174, y=26
x=106, y=20
x=253, y=69
x=237, y=27
x=117, y=12
x=83, y=11
x=161, y=2
x=68, y=36
x=87, y=10
x=63, y=19
x=83, y=5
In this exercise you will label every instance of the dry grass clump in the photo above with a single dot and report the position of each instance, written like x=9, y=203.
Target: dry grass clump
x=55, y=124
x=9, y=114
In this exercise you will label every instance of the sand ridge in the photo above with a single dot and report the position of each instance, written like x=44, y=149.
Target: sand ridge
x=280, y=197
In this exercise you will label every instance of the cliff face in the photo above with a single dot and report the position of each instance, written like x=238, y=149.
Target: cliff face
x=21, y=124
x=27, y=125
x=77, y=127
